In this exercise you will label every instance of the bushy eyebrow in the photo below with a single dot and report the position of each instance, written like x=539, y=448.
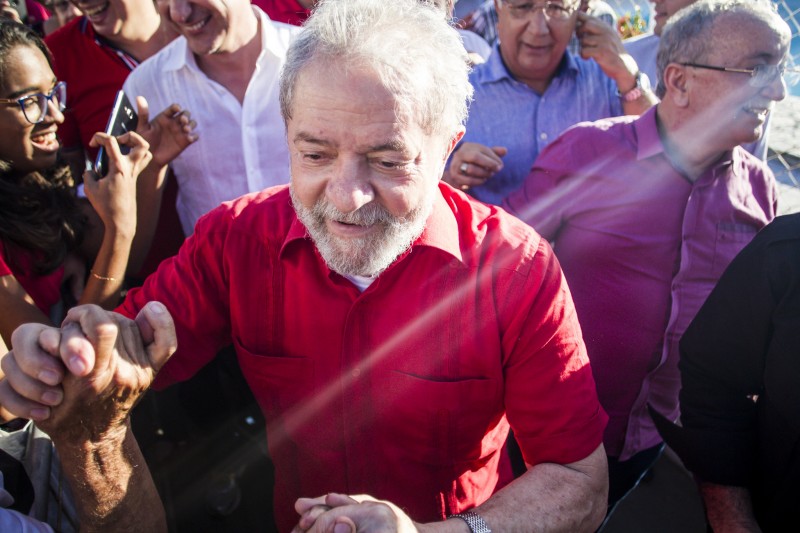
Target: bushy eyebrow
x=394, y=145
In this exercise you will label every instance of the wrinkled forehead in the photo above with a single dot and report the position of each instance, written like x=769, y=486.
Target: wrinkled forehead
x=740, y=35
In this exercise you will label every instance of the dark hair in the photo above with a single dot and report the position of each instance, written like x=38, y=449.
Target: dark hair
x=39, y=212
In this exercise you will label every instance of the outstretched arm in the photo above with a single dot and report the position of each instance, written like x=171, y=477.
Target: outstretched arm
x=104, y=363
x=548, y=497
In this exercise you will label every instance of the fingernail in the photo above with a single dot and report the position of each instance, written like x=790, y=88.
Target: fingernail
x=51, y=397
x=49, y=377
x=341, y=528
x=39, y=413
x=158, y=308
x=77, y=365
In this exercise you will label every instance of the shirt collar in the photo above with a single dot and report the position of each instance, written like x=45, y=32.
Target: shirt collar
x=495, y=69
x=441, y=228
x=87, y=29
x=649, y=141
x=650, y=144
x=183, y=56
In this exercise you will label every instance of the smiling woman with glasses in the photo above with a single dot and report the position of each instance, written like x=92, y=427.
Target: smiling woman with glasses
x=34, y=106
x=47, y=234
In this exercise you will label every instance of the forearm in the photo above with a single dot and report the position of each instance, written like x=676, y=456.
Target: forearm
x=728, y=509
x=111, y=483
x=105, y=281
x=548, y=497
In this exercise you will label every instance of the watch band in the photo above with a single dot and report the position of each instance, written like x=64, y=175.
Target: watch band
x=474, y=521
x=642, y=85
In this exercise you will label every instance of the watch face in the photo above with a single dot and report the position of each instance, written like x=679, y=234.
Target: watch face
x=643, y=81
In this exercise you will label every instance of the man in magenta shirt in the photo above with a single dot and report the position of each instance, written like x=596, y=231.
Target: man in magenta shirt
x=645, y=213
x=391, y=328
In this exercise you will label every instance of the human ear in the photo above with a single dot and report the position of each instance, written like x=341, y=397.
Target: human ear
x=677, y=84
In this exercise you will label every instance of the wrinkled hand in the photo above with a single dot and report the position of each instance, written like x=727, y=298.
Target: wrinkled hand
x=601, y=42
x=83, y=379
x=168, y=134
x=338, y=513
x=114, y=196
x=472, y=164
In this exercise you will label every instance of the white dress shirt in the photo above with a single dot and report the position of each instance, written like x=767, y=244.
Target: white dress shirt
x=241, y=148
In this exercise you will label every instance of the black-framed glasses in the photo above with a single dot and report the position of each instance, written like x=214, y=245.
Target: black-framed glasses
x=34, y=106
x=760, y=75
x=522, y=9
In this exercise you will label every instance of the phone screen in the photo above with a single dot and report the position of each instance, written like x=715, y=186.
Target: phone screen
x=123, y=119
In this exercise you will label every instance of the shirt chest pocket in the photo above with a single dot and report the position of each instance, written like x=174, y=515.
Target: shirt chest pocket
x=731, y=238
x=281, y=385
x=442, y=423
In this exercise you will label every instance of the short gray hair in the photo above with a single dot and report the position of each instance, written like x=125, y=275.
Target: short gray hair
x=686, y=37
x=419, y=57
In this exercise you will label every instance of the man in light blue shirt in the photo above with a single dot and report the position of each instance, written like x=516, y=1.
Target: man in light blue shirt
x=531, y=89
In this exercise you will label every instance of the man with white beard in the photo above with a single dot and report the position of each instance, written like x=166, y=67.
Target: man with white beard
x=390, y=327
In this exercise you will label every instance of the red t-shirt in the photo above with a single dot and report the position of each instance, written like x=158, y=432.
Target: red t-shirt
x=404, y=391
x=288, y=11
x=94, y=72
x=45, y=290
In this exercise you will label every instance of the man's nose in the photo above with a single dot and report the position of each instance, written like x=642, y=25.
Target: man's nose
x=179, y=10
x=349, y=186
x=537, y=22
x=776, y=90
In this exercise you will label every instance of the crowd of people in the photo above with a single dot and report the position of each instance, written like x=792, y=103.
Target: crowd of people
x=464, y=280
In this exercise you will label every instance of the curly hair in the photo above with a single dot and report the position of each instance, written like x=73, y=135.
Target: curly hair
x=39, y=212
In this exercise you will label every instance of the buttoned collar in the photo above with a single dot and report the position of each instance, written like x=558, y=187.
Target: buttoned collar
x=182, y=56
x=495, y=69
x=650, y=145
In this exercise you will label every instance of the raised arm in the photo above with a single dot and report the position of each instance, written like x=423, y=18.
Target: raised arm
x=113, y=198
x=601, y=42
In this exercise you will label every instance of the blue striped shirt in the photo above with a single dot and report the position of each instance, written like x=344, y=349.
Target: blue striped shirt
x=506, y=112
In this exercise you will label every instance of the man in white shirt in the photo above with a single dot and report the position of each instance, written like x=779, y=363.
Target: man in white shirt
x=224, y=69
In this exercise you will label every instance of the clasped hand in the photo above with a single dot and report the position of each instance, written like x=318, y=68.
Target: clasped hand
x=81, y=380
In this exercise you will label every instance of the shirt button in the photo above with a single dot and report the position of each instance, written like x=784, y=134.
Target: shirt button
x=543, y=136
x=356, y=373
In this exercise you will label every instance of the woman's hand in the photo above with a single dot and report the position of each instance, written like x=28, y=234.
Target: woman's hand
x=114, y=196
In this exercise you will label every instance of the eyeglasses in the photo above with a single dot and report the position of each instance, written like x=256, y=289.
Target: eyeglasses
x=760, y=75
x=34, y=106
x=522, y=9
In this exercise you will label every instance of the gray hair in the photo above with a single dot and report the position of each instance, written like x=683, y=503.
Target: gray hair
x=687, y=36
x=418, y=56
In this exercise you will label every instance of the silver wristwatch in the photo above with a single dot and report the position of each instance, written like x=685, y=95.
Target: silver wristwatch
x=474, y=521
x=642, y=86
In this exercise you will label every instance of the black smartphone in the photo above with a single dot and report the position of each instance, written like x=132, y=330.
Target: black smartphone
x=122, y=120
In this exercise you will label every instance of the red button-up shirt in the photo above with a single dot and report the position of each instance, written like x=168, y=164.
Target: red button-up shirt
x=403, y=391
